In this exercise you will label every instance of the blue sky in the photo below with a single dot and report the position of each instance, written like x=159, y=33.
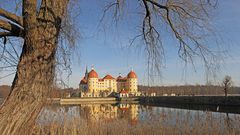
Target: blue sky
x=106, y=48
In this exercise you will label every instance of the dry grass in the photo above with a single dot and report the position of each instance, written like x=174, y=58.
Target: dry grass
x=122, y=127
x=164, y=122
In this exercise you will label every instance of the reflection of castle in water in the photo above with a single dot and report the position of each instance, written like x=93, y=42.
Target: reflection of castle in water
x=106, y=115
x=91, y=113
x=99, y=111
x=110, y=112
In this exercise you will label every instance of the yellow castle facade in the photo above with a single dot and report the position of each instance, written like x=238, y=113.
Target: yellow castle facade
x=91, y=83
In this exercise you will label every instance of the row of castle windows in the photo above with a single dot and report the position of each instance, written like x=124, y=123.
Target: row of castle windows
x=101, y=83
x=100, y=90
x=110, y=85
x=110, y=81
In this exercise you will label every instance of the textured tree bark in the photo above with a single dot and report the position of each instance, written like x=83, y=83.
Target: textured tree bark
x=36, y=68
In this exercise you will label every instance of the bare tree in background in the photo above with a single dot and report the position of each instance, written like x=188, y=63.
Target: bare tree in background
x=227, y=84
x=40, y=28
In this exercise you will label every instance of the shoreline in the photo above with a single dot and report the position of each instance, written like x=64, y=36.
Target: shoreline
x=218, y=104
x=193, y=100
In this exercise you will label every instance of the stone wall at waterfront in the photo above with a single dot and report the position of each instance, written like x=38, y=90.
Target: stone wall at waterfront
x=206, y=100
x=87, y=100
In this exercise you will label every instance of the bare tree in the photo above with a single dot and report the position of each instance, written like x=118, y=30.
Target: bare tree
x=227, y=84
x=41, y=28
x=36, y=66
x=187, y=20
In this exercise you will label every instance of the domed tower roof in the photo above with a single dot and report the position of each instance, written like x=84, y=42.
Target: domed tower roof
x=92, y=74
x=108, y=77
x=83, y=81
x=131, y=74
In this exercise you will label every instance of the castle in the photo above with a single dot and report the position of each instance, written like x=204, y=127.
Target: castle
x=92, y=84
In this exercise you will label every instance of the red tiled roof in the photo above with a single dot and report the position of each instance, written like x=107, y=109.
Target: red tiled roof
x=100, y=80
x=123, y=91
x=121, y=79
x=123, y=108
x=132, y=74
x=83, y=81
x=108, y=77
x=92, y=74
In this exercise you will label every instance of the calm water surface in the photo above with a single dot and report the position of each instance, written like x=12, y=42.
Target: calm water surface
x=140, y=116
x=136, y=114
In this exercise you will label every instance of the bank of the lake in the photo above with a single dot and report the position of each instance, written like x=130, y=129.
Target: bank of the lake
x=229, y=104
x=107, y=100
x=200, y=100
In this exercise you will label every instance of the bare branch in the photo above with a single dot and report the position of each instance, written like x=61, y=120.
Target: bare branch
x=157, y=4
x=5, y=34
x=168, y=19
x=11, y=17
x=12, y=28
x=116, y=7
x=152, y=40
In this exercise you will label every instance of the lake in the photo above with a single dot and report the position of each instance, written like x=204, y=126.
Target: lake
x=134, y=119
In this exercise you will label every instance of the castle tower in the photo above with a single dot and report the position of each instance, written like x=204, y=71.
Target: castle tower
x=92, y=81
x=132, y=82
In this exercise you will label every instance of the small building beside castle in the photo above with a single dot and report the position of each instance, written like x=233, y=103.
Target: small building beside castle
x=93, y=86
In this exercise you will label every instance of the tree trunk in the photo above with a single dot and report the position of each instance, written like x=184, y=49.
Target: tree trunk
x=225, y=91
x=36, y=68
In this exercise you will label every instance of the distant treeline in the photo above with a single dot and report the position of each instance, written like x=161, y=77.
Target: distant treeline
x=56, y=93
x=188, y=90
x=159, y=90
